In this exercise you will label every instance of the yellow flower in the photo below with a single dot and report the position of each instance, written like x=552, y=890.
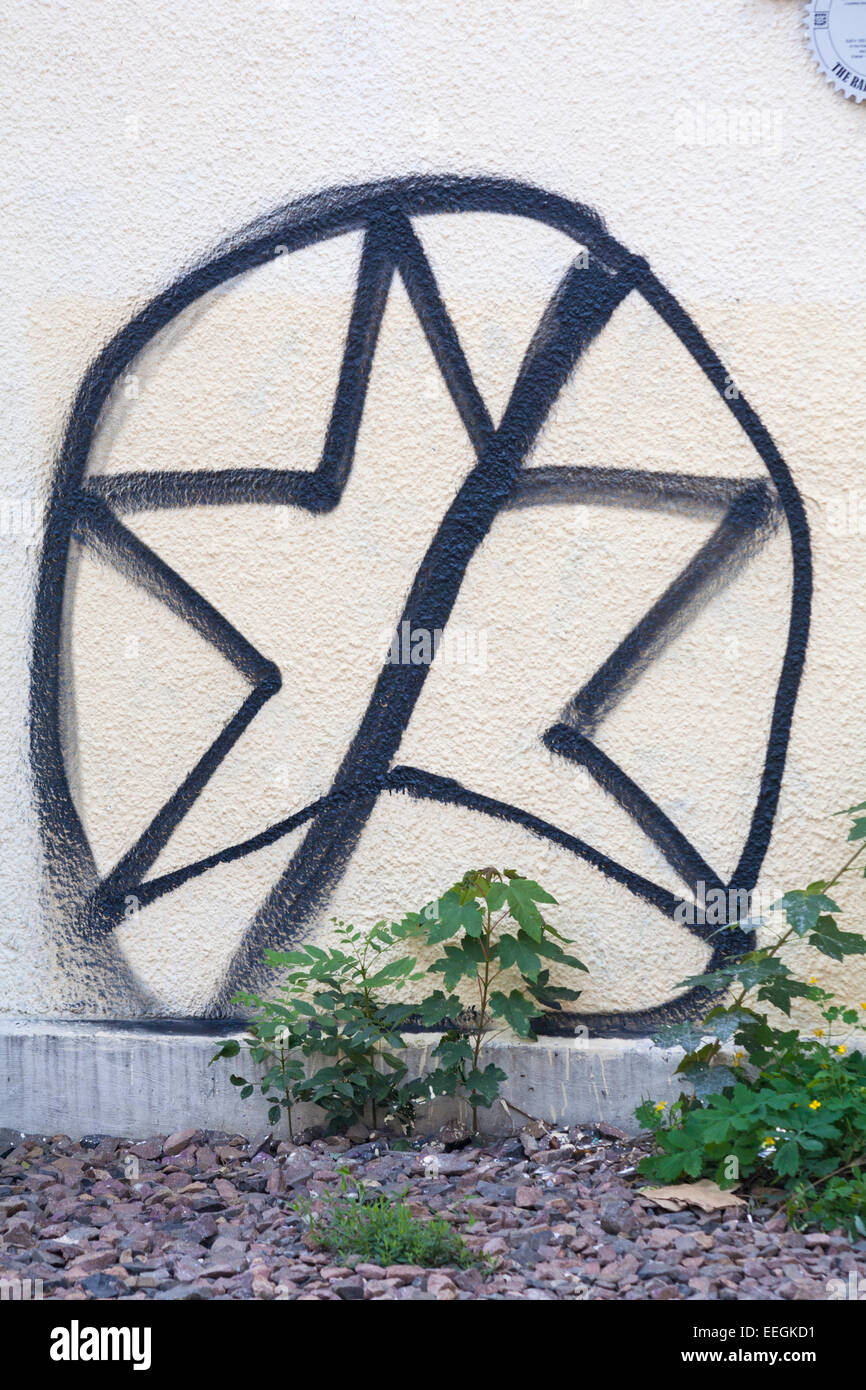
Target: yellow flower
x=661, y=1105
x=863, y=1006
x=813, y=980
x=814, y=1105
x=841, y=1048
x=770, y=1141
x=819, y=1032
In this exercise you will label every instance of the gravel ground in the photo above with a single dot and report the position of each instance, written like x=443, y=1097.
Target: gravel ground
x=200, y=1215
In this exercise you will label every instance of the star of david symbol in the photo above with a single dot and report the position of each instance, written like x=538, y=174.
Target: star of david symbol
x=90, y=508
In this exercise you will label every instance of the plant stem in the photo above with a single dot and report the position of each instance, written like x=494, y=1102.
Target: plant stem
x=483, y=986
x=368, y=1013
x=288, y=1092
x=774, y=949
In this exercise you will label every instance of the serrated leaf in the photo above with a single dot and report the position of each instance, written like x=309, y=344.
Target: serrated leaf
x=522, y=896
x=516, y=1009
x=393, y=971
x=437, y=1006
x=497, y=894
x=551, y=951
x=452, y=914
x=686, y=1035
x=450, y=1052
x=787, y=1159
x=712, y=1081
x=456, y=964
x=514, y=951
x=802, y=909
x=484, y=1085
x=834, y=943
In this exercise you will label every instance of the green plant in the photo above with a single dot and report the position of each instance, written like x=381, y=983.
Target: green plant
x=361, y=1225
x=271, y=1041
x=330, y=1005
x=473, y=916
x=786, y=1108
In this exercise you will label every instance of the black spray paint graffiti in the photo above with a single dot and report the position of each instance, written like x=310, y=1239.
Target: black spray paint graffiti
x=88, y=509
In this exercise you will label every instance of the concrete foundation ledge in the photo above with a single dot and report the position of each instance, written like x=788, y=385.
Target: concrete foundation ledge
x=139, y=1079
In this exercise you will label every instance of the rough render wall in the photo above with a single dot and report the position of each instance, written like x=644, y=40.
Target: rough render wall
x=144, y=143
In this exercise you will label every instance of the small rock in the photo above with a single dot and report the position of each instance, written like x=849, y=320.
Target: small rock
x=527, y=1197
x=349, y=1289
x=495, y=1246
x=454, y=1134
x=175, y=1143
x=310, y=1134
x=618, y=1218
x=437, y=1281
x=104, y=1286
x=223, y=1266
x=535, y=1128
x=184, y=1293
x=296, y=1171
x=93, y=1141
x=611, y=1132
x=404, y=1273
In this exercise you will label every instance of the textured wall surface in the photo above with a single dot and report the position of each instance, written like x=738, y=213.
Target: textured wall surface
x=267, y=474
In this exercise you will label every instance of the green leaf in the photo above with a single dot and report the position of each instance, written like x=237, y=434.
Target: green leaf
x=516, y=1009
x=299, y=957
x=228, y=1049
x=514, y=951
x=483, y=1086
x=837, y=944
x=782, y=991
x=787, y=1160
x=437, y=1006
x=858, y=829
x=394, y=970
x=686, y=1035
x=552, y=951
x=549, y=996
x=497, y=894
x=802, y=909
x=452, y=915
x=452, y=1051
x=522, y=895
x=456, y=964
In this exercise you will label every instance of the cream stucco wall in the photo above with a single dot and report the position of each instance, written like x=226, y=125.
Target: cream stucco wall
x=147, y=135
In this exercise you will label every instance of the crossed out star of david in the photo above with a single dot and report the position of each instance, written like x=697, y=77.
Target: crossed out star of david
x=89, y=508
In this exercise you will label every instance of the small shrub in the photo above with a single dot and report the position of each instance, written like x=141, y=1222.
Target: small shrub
x=786, y=1109
x=368, y=1227
x=329, y=1004
x=496, y=934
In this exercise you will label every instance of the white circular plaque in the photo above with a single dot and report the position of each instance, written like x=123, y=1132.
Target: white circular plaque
x=837, y=33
